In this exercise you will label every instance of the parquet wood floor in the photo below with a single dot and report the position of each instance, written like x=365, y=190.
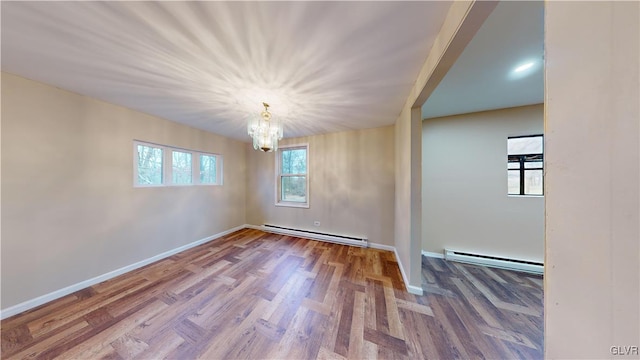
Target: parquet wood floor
x=264, y=296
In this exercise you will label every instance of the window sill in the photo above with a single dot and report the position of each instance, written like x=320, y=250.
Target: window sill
x=173, y=185
x=525, y=196
x=294, y=205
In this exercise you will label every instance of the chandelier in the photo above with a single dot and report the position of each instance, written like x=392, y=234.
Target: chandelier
x=265, y=131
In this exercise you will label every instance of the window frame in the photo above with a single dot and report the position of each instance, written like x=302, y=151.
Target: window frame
x=279, y=176
x=167, y=166
x=522, y=159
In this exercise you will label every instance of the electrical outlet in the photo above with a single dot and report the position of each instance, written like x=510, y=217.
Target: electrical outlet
x=316, y=223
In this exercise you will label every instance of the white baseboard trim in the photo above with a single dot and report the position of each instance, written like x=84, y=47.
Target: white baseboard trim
x=432, y=254
x=497, y=262
x=30, y=304
x=382, y=247
x=416, y=290
x=314, y=236
x=369, y=244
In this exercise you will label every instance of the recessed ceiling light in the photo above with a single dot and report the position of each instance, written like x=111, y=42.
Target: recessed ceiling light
x=523, y=67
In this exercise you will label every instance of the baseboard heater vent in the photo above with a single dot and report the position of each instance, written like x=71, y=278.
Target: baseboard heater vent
x=494, y=261
x=339, y=239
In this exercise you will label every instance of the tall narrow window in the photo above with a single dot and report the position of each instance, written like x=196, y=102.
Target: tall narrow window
x=293, y=182
x=525, y=165
x=181, y=168
x=149, y=165
x=208, y=169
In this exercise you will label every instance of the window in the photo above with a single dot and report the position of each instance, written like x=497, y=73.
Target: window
x=208, y=169
x=184, y=167
x=293, y=181
x=149, y=165
x=182, y=170
x=525, y=165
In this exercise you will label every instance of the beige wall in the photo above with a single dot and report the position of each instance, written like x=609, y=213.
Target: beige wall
x=464, y=186
x=592, y=272
x=351, y=185
x=69, y=208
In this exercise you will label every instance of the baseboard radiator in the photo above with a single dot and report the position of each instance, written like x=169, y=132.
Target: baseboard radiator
x=338, y=239
x=494, y=261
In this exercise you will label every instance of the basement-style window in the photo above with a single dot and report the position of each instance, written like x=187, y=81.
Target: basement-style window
x=292, y=183
x=161, y=165
x=525, y=174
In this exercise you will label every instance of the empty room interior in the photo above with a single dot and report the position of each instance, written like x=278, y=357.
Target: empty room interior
x=320, y=180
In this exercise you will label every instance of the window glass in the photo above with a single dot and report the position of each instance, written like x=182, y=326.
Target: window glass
x=533, y=182
x=513, y=182
x=294, y=161
x=524, y=145
x=294, y=188
x=208, y=169
x=533, y=165
x=149, y=165
x=182, y=170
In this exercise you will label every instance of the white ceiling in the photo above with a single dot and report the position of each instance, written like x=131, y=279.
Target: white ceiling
x=323, y=66
x=482, y=78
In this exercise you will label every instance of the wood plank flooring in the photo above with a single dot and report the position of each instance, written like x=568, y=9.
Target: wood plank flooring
x=253, y=295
